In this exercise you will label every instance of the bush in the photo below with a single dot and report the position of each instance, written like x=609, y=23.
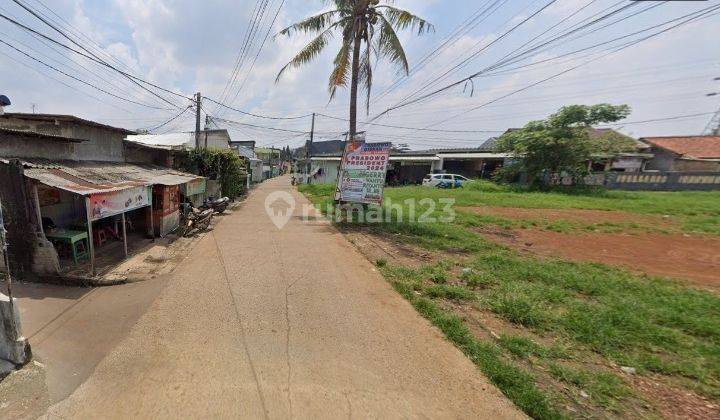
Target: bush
x=216, y=164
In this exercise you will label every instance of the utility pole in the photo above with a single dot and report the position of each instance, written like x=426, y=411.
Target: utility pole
x=308, y=153
x=713, y=126
x=198, y=106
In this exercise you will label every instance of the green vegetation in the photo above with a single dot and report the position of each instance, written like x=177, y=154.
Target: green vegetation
x=562, y=144
x=585, y=310
x=695, y=211
x=217, y=164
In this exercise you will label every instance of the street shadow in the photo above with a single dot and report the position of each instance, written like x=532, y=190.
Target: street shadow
x=40, y=291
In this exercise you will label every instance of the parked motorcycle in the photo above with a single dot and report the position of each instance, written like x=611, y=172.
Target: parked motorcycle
x=218, y=206
x=193, y=219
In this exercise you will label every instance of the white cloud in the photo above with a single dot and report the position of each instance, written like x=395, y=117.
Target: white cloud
x=189, y=46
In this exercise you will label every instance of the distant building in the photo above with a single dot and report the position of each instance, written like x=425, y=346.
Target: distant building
x=270, y=158
x=684, y=153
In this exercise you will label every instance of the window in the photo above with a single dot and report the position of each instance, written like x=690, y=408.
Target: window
x=447, y=177
x=461, y=178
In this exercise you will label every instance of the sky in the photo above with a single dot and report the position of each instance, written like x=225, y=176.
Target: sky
x=187, y=46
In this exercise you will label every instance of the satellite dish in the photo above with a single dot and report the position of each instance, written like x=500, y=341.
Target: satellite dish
x=4, y=101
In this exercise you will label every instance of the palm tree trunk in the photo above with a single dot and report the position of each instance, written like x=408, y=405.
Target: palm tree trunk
x=354, y=81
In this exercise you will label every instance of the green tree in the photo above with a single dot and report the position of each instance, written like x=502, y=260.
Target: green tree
x=561, y=145
x=360, y=22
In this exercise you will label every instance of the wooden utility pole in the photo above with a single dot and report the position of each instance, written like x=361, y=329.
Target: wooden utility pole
x=198, y=107
x=308, y=152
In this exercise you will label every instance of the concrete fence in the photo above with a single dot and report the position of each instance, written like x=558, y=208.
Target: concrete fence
x=657, y=181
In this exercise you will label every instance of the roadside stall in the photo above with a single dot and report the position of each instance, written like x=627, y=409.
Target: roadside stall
x=132, y=205
x=167, y=195
x=92, y=210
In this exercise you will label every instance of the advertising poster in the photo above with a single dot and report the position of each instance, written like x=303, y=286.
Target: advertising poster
x=362, y=173
x=116, y=202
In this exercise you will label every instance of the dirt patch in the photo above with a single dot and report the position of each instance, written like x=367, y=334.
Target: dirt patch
x=376, y=247
x=679, y=256
x=574, y=215
x=674, y=403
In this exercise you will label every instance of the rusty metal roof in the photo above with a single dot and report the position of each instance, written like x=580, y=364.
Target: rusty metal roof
x=92, y=177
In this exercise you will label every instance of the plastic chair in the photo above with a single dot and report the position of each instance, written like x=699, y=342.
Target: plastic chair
x=100, y=237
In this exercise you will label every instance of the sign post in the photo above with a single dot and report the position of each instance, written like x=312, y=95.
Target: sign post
x=362, y=173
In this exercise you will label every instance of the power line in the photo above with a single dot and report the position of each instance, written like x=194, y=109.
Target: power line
x=252, y=65
x=101, y=62
x=699, y=14
x=481, y=50
x=500, y=62
x=257, y=126
x=677, y=117
x=170, y=120
x=63, y=83
x=255, y=115
x=258, y=15
x=466, y=26
x=81, y=69
x=411, y=128
x=60, y=21
x=77, y=79
x=58, y=30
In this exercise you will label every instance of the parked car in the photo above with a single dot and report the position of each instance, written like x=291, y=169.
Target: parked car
x=444, y=180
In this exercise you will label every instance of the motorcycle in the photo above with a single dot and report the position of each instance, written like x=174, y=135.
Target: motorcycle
x=218, y=206
x=193, y=219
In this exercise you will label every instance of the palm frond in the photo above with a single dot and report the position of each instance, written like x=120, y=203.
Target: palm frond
x=389, y=45
x=310, y=51
x=402, y=19
x=339, y=75
x=312, y=24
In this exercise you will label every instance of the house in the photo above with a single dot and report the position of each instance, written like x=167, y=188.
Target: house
x=219, y=139
x=88, y=140
x=255, y=164
x=70, y=192
x=625, y=154
x=684, y=153
x=270, y=158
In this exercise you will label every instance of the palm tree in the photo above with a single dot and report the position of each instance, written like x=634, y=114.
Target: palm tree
x=359, y=21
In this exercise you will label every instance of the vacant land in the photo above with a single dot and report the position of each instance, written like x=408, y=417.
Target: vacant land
x=563, y=334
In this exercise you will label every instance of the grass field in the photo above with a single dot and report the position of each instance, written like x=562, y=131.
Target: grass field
x=559, y=337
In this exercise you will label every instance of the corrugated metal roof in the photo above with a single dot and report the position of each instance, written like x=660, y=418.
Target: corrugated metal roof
x=165, y=141
x=91, y=177
x=34, y=134
x=59, y=117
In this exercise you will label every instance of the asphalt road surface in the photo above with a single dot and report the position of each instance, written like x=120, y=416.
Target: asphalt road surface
x=261, y=322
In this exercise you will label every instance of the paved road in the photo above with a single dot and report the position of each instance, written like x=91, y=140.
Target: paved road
x=262, y=322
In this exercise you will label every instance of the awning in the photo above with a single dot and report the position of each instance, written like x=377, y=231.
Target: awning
x=95, y=177
x=478, y=155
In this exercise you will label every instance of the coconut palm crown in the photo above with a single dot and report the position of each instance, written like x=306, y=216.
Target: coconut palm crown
x=368, y=29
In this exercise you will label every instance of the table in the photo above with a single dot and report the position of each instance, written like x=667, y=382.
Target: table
x=72, y=237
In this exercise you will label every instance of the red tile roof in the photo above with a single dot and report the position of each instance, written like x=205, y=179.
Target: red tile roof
x=699, y=147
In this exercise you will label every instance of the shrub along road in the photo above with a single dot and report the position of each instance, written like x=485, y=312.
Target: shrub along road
x=261, y=322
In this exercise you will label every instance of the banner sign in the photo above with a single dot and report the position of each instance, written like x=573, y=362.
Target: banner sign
x=116, y=202
x=362, y=173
